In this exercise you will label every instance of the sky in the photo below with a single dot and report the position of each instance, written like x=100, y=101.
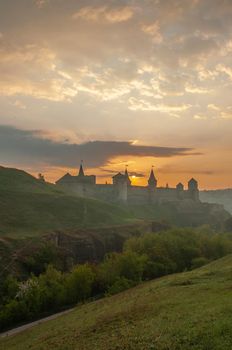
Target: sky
x=115, y=83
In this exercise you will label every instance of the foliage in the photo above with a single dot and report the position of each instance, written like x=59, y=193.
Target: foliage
x=175, y=250
x=38, y=262
x=198, y=262
x=128, y=265
x=79, y=283
x=119, y=285
x=143, y=258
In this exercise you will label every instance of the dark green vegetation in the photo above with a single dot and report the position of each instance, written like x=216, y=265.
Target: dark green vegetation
x=190, y=310
x=29, y=206
x=223, y=197
x=143, y=258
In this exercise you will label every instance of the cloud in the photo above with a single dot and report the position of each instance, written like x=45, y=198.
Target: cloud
x=31, y=148
x=171, y=170
x=223, y=69
x=227, y=113
x=154, y=31
x=53, y=69
x=200, y=117
x=131, y=173
x=221, y=111
x=136, y=174
x=145, y=105
x=19, y=104
x=112, y=171
x=197, y=89
x=40, y=3
x=213, y=107
x=104, y=13
x=30, y=70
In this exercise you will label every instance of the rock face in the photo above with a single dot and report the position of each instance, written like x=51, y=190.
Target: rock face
x=71, y=247
x=81, y=246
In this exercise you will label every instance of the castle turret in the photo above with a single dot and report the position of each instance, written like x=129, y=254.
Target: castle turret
x=180, y=190
x=81, y=171
x=152, y=181
x=127, y=177
x=180, y=187
x=121, y=184
x=193, y=189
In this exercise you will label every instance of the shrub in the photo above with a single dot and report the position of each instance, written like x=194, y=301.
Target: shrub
x=198, y=262
x=120, y=285
x=79, y=283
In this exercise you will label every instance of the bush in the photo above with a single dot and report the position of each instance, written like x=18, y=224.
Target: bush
x=120, y=285
x=154, y=269
x=127, y=265
x=79, y=283
x=52, y=289
x=15, y=311
x=198, y=262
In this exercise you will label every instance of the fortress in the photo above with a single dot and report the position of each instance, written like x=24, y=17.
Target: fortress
x=121, y=190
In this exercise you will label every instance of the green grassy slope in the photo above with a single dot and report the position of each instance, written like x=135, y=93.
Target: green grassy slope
x=185, y=311
x=29, y=206
x=19, y=181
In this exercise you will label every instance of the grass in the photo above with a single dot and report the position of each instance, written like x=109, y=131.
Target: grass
x=31, y=213
x=29, y=206
x=191, y=310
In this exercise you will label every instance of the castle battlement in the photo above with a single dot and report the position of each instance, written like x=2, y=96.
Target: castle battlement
x=122, y=191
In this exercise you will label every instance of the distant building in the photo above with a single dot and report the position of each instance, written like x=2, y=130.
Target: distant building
x=121, y=190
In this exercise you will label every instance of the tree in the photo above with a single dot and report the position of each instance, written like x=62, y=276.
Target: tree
x=79, y=283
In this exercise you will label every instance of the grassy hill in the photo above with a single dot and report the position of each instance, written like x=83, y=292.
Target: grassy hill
x=29, y=206
x=19, y=181
x=191, y=310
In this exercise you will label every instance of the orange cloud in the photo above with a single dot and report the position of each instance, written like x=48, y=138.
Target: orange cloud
x=105, y=13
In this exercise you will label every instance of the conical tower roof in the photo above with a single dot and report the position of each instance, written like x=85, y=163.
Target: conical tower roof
x=152, y=181
x=81, y=171
x=127, y=177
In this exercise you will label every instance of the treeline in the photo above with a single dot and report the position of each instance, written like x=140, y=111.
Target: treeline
x=143, y=258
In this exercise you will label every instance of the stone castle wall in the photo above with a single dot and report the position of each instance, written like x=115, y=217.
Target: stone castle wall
x=121, y=193
x=121, y=190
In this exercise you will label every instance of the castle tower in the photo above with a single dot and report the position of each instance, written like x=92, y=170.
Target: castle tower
x=81, y=171
x=127, y=177
x=193, y=189
x=180, y=190
x=180, y=187
x=121, y=184
x=152, y=181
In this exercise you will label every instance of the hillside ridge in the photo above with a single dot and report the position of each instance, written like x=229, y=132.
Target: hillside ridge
x=173, y=312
